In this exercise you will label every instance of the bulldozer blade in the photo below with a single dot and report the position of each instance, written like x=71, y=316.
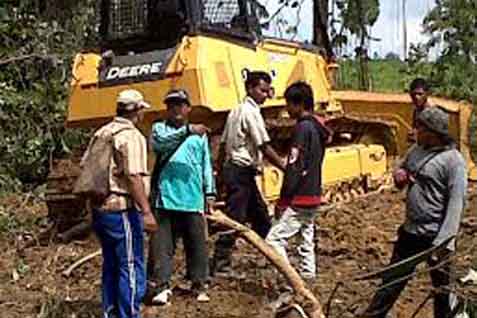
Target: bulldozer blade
x=395, y=269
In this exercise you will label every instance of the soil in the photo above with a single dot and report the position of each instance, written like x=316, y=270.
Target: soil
x=352, y=239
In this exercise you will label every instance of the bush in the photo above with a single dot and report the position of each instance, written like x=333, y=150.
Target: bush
x=35, y=61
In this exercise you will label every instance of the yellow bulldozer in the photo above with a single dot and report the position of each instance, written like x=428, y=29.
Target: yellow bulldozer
x=206, y=47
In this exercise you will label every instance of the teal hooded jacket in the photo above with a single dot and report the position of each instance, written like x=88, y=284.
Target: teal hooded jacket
x=186, y=179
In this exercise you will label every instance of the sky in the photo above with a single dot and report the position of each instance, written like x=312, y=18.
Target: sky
x=388, y=28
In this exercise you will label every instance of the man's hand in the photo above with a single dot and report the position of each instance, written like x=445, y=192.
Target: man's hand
x=279, y=210
x=210, y=205
x=441, y=255
x=401, y=178
x=198, y=129
x=284, y=164
x=150, y=224
x=411, y=136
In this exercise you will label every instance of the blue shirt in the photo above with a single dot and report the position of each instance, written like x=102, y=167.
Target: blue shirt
x=186, y=179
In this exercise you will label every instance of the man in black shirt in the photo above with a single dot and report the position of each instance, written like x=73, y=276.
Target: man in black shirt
x=301, y=189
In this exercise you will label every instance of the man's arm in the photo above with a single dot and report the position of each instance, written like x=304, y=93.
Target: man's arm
x=273, y=157
x=219, y=163
x=400, y=174
x=164, y=140
x=132, y=150
x=259, y=135
x=209, y=183
x=457, y=189
x=138, y=193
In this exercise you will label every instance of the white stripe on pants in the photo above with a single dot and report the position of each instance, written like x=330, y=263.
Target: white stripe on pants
x=292, y=222
x=130, y=254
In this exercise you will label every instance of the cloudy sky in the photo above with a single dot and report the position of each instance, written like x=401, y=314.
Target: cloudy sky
x=388, y=28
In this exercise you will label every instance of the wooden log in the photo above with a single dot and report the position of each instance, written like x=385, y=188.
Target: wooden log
x=282, y=265
x=80, y=262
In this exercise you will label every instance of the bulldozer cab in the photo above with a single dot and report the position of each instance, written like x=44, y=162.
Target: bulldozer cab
x=161, y=24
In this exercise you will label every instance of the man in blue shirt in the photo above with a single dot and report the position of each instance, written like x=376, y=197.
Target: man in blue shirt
x=183, y=190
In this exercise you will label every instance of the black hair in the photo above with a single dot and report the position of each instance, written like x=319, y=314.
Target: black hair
x=300, y=93
x=176, y=101
x=253, y=78
x=419, y=83
x=121, y=110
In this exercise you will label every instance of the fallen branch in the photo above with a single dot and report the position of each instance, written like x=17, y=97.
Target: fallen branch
x=21, y=58
x=419, y=308
x=80, y=262
x=282, y=265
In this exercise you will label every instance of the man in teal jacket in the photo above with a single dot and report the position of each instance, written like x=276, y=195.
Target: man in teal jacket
x=183, y=190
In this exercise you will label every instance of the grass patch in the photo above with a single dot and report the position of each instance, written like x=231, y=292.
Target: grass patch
x=385, y=75
x=8, y=223
x=19, y=214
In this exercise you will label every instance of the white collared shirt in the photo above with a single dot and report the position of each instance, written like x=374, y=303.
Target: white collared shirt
x=244, y=134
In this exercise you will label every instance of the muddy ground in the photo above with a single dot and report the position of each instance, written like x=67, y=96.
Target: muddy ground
x=353, y=239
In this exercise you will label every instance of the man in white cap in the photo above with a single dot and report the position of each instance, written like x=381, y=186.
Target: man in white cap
x=435, y=175
x=120, y=220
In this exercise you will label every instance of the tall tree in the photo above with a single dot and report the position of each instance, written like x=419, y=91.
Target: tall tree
x=355, y=17
x=320, y=25
x=452, y=26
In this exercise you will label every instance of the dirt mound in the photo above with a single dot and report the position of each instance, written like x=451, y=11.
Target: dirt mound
x=352, y=239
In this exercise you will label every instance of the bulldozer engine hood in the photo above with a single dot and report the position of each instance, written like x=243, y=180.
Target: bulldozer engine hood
x=135, y=68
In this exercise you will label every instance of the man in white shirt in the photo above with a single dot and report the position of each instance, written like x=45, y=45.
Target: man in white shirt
x=244, y=142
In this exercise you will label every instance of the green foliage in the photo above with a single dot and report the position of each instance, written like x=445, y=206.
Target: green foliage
x=452, y=28
x=386, y=75
x=355, y=16
x=358, y=15
x=35, y=63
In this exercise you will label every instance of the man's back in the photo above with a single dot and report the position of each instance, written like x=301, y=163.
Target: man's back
x=129, y=158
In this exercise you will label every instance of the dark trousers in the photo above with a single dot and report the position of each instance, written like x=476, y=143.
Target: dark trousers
x=123, y=282
x=191, y=227
x=407, y=246
x=244, y=204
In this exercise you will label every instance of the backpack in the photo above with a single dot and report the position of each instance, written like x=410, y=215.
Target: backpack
x=93, y=181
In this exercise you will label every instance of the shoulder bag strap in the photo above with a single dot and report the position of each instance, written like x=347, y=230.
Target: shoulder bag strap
x=158, y=167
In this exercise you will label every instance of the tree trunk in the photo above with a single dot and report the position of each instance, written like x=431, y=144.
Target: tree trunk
x=320, y=26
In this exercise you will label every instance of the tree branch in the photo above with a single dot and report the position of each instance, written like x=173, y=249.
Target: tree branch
x=24, y=57
x=283, y=266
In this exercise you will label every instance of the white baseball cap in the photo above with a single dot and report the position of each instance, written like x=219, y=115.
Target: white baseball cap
x=131, y=99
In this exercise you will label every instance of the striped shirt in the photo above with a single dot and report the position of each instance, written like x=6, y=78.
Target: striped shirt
x=129, y=159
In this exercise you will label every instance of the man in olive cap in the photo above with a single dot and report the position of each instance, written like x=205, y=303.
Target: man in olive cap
x=183, y=190
x=435, y=174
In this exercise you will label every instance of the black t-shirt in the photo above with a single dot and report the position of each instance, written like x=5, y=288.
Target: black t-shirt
x=302, y=182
